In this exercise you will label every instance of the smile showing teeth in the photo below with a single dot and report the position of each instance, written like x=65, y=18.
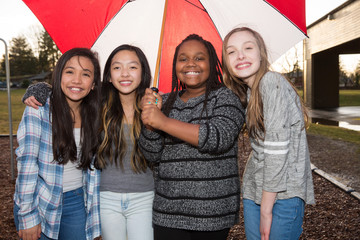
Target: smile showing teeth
x=192, y=73
x=125, y=82
x=244, y=65
x=75, y=89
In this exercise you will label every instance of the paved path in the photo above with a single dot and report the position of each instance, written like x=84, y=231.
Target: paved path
x=346, y=117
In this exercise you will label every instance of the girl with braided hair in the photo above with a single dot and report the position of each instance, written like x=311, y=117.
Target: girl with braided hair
x=194, y=141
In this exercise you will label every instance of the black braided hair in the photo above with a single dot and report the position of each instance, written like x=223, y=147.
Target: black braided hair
x=214, y=81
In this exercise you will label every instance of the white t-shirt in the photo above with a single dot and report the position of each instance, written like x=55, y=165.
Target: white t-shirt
x=72, y=176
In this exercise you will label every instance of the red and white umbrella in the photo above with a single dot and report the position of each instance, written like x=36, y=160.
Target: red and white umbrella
x=158, y=26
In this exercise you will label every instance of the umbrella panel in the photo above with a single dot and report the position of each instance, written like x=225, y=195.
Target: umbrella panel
x=105, y=24
x=74, y=23
x=182, y=19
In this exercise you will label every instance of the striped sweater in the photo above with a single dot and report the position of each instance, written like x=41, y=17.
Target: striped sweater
x=197, y=188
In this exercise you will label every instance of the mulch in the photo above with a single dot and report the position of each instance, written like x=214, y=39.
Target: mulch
x=336, y=214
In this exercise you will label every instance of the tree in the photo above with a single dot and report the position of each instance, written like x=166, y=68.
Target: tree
x=48, y=52
x=291, y=66
x=344, y=79
x=356, y=76
x=21, y=58
x=2, y=66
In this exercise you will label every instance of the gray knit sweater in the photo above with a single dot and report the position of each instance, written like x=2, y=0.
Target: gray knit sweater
x=40, y=91
x=197, y=188
x=280, y=163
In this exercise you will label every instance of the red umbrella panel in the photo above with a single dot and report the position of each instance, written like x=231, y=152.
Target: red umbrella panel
x=105, y=24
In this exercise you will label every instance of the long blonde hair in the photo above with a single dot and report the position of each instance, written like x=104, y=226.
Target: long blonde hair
x=254, y=108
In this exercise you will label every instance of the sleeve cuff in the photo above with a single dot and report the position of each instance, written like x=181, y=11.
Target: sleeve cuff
x=40, y=91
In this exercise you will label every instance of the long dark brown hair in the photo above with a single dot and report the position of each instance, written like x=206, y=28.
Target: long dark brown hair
x=112, y=135
x=64, y=146
x=215, y=80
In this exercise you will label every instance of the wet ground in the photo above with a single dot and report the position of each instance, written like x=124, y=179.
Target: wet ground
x=346, y=117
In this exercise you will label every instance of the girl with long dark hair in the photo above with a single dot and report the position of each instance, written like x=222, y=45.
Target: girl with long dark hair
x=127, y=184
x=57, y=188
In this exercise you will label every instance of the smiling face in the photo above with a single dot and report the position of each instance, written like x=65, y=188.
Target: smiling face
x=77, y=79
x=192, y=65
x=243, y=56
x=125, y=72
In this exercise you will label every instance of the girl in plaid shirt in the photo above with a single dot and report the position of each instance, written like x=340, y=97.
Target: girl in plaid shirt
x=57, y=188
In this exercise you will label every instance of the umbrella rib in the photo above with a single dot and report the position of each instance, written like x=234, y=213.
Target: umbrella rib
x=217, y=30
x=203, y=9
x=129, y=1
x=285, y=17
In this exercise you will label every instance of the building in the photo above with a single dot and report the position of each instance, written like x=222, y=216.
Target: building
x=338, y=32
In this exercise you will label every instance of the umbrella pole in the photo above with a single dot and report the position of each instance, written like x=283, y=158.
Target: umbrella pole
x=157, y=67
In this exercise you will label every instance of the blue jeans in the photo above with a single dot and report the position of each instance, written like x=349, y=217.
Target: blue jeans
x=73, y=217
x=126, y=215
x=286, y=223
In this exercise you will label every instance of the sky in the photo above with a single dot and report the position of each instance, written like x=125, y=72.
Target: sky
x=17, y=19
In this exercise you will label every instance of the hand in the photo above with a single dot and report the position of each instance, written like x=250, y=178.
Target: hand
x=32, y=102
x=151, y=116
x=151, y=97
x=33, y=233
x=265, y=225
x=267, y=204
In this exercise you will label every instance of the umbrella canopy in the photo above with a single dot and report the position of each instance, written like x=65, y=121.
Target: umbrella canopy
x=158, y=26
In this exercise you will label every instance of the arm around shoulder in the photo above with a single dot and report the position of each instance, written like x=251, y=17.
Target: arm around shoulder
x=40, y=91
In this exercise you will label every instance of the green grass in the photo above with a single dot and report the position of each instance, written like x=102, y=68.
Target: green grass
x=346, y=97
x=335, y=133
x=349, y=98
x=17, y=109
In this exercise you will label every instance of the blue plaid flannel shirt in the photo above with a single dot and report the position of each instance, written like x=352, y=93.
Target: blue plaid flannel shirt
x=38, y=190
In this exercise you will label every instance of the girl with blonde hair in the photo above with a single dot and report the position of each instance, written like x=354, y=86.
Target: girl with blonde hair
x=277, y=181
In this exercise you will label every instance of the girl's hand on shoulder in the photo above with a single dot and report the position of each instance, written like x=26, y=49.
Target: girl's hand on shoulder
x=33, y=233
x=32, y=102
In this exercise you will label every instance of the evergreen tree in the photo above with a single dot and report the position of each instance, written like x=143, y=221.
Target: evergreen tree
x=21, y=58
x=48, y=52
